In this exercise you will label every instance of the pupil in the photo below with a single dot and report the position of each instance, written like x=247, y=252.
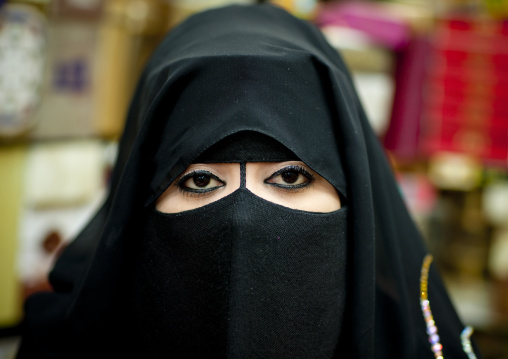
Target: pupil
x=201, y=180
x=290, y=176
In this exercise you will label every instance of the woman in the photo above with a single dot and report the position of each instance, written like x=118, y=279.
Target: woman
x=252, y=214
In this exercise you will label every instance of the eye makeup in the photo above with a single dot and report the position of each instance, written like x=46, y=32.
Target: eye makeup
x=290, y=178
x=199, y=182
x=202, y=182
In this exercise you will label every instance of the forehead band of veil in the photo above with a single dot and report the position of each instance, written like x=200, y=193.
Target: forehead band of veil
x=246, y=146
x=249, y=146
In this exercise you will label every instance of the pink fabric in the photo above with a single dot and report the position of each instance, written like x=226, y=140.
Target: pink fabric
x=384, y=29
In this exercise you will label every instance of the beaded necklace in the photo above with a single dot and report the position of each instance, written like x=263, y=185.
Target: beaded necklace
x=435, y=344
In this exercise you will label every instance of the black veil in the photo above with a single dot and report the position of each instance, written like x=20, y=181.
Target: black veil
x=223, y=71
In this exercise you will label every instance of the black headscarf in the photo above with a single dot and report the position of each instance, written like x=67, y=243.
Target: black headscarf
x=222, y=72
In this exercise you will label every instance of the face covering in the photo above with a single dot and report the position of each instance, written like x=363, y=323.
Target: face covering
x=241, y=278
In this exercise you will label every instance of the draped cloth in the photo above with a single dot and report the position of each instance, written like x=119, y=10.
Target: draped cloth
x=221, y=72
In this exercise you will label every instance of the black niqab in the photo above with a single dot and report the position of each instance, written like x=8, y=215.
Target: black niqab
x=241, y=278
x=224, y=71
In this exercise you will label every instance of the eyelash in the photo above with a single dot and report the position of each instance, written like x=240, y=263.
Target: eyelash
x=194, y=191
x=292, y=168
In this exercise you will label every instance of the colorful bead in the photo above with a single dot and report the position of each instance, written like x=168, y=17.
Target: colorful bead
x=434, y=339
x=436, y=346
x=431, y=329
x=466, y=342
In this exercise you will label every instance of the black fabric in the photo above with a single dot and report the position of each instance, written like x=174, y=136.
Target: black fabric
x=224, y=71
x=241, y=278
x=246, y=146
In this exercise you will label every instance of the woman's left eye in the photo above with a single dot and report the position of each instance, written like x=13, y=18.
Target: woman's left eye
x=291, y=177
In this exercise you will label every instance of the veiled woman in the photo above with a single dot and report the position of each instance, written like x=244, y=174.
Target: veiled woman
x=251, y=214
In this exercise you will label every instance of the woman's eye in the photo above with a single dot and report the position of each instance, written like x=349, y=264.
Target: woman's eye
x=291, y=177
x=200, y=181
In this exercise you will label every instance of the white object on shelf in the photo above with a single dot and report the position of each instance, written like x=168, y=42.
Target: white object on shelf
x=495, y=204
x=64, y=173
x=498, y=255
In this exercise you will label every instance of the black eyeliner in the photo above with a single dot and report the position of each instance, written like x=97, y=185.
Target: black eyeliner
x=181, y=182
x=296, y=168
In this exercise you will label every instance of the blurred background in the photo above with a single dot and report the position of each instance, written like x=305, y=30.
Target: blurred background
x=432, y=75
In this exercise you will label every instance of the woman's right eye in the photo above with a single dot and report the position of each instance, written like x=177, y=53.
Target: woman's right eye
x=200, y=182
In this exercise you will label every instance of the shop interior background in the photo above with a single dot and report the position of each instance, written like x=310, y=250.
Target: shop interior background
x=432, y=75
